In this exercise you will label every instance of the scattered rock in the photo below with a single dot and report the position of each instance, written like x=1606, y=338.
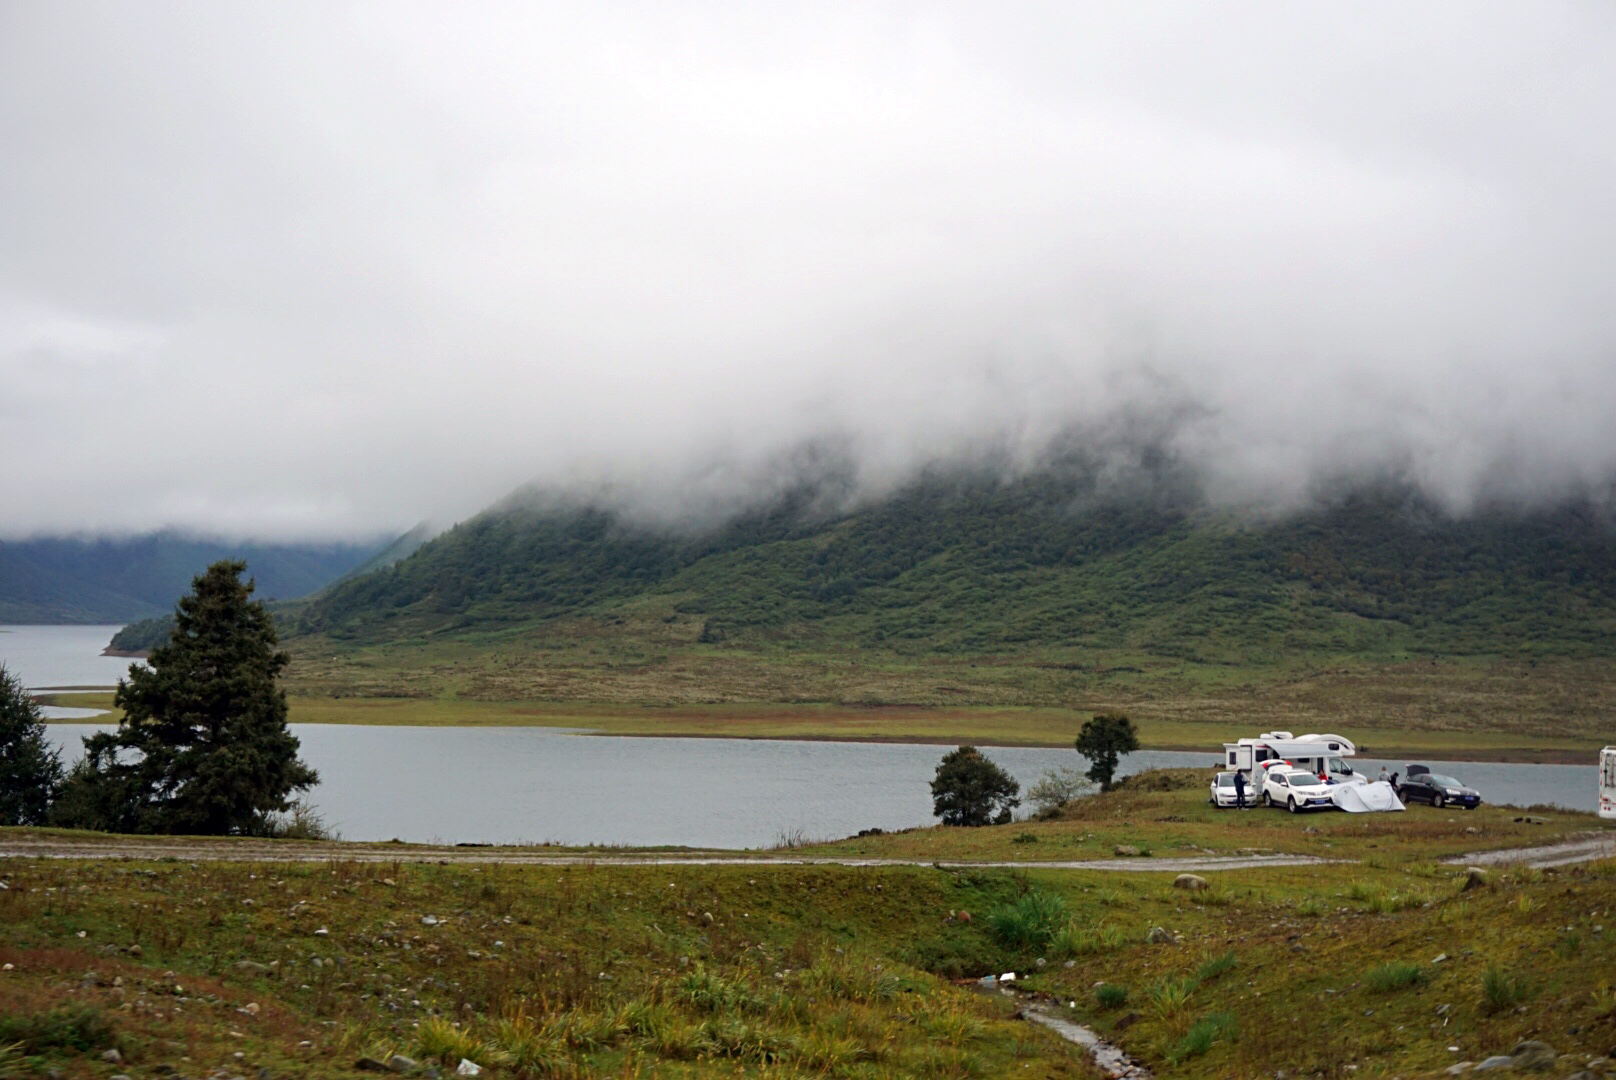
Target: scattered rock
x=1125, y=850
x=251, y=1008
x=1161, y=936
x=1475, y=878
x=1192, y=882
x=252, y=967
x=369, y=1064
x=136, y=951
x=429, y=920
x=1443, y=1010
x=1459, y=1067
x=112, y=1057
x=1497, y=1061
x=467, y=1067
x=400, y=1064
x=1533, y=1056
x=322, y=932
x=1440, y=958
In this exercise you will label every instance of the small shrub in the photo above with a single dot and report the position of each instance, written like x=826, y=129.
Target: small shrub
x=1111, y=996
x=528, y=1046
x=1202, y=1035
x=705, y=992
x=1030, y=922
x=1500, y=990
x=1311, y=907
x=1604, y=1000
x=1170, y=999
x=300, y=822
x=1525, y=904
x=1024, y=838
x=70, y=1027
x=1394, y=976
x=442, y=1041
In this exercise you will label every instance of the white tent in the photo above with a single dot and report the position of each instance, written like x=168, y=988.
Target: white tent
x=1365, y=798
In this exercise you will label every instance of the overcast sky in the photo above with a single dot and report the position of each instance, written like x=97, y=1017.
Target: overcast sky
x=320, y=270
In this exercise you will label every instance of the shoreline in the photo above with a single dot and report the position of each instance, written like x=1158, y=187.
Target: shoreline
x=581, y=725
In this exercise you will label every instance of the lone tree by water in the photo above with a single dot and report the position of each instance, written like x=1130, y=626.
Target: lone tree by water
x=971, y=790
x=1103, y=741
x=203, y=745
x=30, y=768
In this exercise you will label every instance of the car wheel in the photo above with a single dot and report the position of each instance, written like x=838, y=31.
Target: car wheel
x=1291, y=803
x=1438, y=802
x=1266, y=801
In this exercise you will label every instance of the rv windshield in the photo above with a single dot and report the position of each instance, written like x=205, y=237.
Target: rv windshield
x=1339, y=767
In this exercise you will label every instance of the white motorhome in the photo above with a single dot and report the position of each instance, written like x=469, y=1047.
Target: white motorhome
x=1319, y=754
x=1607, y=782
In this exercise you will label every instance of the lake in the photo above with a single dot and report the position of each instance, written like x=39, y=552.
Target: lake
x=532, y=785
x=53, y=657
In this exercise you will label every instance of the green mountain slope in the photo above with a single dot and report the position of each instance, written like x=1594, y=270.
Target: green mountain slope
x=68, y=580
x=1057, y=562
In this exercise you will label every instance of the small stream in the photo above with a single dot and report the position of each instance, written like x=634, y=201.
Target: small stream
x=1116, y=1063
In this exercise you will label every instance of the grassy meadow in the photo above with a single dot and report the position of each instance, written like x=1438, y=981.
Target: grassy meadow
x=819, y=970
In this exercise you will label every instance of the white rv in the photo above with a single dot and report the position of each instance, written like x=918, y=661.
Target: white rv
x=1607, y=782
x=1318, y=754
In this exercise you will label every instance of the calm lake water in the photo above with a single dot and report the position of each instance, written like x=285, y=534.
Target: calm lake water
x=516, y=785
x=50, y=657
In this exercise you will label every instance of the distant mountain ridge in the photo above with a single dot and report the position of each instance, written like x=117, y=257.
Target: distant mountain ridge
x=1061, y=559
x=79, y=580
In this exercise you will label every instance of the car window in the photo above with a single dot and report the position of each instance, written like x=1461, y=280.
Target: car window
x=1225, y=779
x=1280, y=778
x=1439, y=780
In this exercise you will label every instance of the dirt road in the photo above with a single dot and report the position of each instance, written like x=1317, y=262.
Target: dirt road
x=187, y=849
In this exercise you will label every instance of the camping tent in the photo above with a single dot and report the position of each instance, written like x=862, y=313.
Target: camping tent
x=1365, y=798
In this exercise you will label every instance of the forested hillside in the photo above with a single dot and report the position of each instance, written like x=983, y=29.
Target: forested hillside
x=77, y=580
x=972, y=563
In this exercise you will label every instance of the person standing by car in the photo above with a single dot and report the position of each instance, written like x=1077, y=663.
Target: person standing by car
x=1384, y=779
x=1239, y=790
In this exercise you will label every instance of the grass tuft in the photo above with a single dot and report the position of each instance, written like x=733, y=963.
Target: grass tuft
x=1501, y=990
x=1111, y=996
x=1394, y=976
x=1030, y=922
x=1218, y=1027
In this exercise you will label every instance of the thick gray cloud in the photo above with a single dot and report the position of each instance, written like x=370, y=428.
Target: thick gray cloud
x=314, y=270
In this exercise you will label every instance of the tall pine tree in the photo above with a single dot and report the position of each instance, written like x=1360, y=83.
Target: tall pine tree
x=30, y=768
x=203, y=746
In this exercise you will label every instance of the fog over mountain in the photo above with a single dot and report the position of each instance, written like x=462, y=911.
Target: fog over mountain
x=322, y=270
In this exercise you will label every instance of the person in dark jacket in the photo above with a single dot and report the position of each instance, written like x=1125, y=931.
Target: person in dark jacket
x=1239, y=790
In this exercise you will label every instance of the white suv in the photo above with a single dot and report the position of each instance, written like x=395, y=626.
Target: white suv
x=1296, y=790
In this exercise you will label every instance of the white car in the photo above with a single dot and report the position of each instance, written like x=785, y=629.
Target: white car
x=1296, y=790
x=1222, y=791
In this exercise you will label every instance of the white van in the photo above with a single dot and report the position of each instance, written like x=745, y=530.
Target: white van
x=1607, y=782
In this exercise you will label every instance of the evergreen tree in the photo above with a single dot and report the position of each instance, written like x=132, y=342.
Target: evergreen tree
x=1103, y=741
x=30, y=768
x=203, y=746
x=971, y=790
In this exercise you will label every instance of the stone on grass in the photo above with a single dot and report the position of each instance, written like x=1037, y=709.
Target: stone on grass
x=1497, y=1061
x=1125, y=850
x=1533, y=1056
x=1475, y=878
x=370, y=1064
x=400, y=1064
x=1159, y=935
x=468, y=1067
x=1192, y=882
